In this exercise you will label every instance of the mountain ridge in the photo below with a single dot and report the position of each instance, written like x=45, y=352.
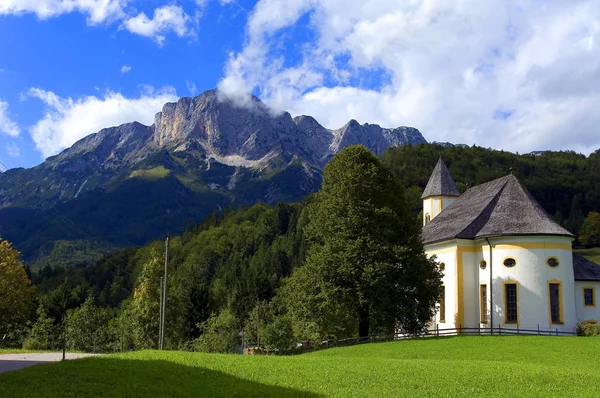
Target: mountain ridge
x=212, y=152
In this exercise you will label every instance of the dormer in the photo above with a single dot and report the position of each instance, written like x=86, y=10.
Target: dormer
x=439, y=193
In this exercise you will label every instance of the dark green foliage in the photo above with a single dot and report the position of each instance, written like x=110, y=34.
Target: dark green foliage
x=565, y=183
x=590, y=232
x=367, y=262
x=587, y=329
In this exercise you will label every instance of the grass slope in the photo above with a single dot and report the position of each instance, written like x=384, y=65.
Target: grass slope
x=461, y=366
x=592, y=254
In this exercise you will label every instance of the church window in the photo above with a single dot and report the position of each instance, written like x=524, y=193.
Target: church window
x=442, y=266
x=443, y=305
x=427, y=218
x=589, y=296
x=510, y=262
x=483, y=303
x=482, y=264
x=553, y=262
x=554, y=290
x=511, y=308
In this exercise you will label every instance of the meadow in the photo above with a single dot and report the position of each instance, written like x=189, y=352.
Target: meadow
x=429, y=367
x=592, y=254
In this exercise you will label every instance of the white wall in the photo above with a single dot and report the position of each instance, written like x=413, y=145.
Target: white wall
x=532, y=275
x=586, y=313
x=446, y=253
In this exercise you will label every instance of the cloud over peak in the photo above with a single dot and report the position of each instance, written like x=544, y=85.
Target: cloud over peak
x=447, y=67
x=67, y=120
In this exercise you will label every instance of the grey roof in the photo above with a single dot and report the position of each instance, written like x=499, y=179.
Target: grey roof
x=440, y=183
x=584, y=269
x=498, y=208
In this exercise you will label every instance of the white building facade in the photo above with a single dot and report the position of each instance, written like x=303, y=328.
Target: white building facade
x=506, y=263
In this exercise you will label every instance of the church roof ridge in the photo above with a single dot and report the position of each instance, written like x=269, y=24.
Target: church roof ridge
x=441, y=182
x=502, y=207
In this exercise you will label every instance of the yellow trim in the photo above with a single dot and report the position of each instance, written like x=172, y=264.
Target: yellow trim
x=534, y=246
x=506, y=258
x=510, y=282
x=460, y=316
x=593, y=296
x=482, y=304
x=560, y=302
x=557, y=260
x=475, y=249
x=441, y=204
x=443, y=300
x=590, y=321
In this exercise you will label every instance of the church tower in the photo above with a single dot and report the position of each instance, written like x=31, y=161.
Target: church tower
x=439, y=193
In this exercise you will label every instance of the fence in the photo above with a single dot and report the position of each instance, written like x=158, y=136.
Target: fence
x=427, y=333
x=496, y=331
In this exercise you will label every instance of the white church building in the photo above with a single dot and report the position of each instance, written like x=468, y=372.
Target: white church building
x=506, y=262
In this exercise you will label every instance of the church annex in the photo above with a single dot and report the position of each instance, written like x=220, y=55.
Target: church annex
x=506, y=262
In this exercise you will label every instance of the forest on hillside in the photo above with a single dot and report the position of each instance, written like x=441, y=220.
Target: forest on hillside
x=232, y=271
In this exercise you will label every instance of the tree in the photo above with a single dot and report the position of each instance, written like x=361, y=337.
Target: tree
x=220, y=333
x=366, y=254
x=590, y=232
x=62, y=300
x=87, y=327
x=16, y=292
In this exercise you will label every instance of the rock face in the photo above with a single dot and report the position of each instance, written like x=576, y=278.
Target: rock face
x=202, y=147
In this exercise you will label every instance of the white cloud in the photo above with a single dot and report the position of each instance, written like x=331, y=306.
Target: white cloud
x=165, y=19
x=191, y=86
x=67, y=120
x=97, y=11
x=7, y=126
x=125, y=69
x=449, y=68
x=13, y=150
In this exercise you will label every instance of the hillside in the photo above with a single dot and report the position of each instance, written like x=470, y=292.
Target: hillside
x=525, y=366
x=129, y=184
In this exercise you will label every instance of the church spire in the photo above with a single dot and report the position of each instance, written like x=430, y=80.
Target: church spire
x=440, y=183
x=439, y=193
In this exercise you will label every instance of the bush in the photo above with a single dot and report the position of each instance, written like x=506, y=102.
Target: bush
x=588, y=329
x=220, y=333
x=43, y=334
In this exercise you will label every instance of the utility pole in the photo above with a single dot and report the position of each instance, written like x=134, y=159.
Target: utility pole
x=164, y=296
x=160, y=314
x=258, y=325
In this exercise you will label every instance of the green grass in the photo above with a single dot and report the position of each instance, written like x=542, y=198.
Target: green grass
x=152, y=174
x=592, y=254
x=485, y=366
x=15, y=351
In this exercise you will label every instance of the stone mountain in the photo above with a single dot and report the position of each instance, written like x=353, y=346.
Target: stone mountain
x=133, y=183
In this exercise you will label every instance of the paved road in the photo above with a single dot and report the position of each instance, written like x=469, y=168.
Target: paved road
x=10, y=362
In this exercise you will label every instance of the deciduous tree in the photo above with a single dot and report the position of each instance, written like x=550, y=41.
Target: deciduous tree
x=16, y=292
x=367, y=257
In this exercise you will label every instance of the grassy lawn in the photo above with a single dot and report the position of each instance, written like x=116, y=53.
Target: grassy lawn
x=460, y=366
x=592, y=254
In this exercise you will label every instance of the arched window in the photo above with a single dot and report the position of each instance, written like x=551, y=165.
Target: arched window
x=482, y=264
x=442, y=266
x=427, y=218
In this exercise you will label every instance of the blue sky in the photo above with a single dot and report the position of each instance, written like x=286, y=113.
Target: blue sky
x=516, y=75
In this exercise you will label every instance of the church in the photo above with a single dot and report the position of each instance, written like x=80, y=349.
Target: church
x=506, y=262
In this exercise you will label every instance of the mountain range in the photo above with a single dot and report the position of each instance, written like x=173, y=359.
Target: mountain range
x=132, y=183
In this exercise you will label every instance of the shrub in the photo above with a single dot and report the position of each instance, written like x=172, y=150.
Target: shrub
x=587, y=329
